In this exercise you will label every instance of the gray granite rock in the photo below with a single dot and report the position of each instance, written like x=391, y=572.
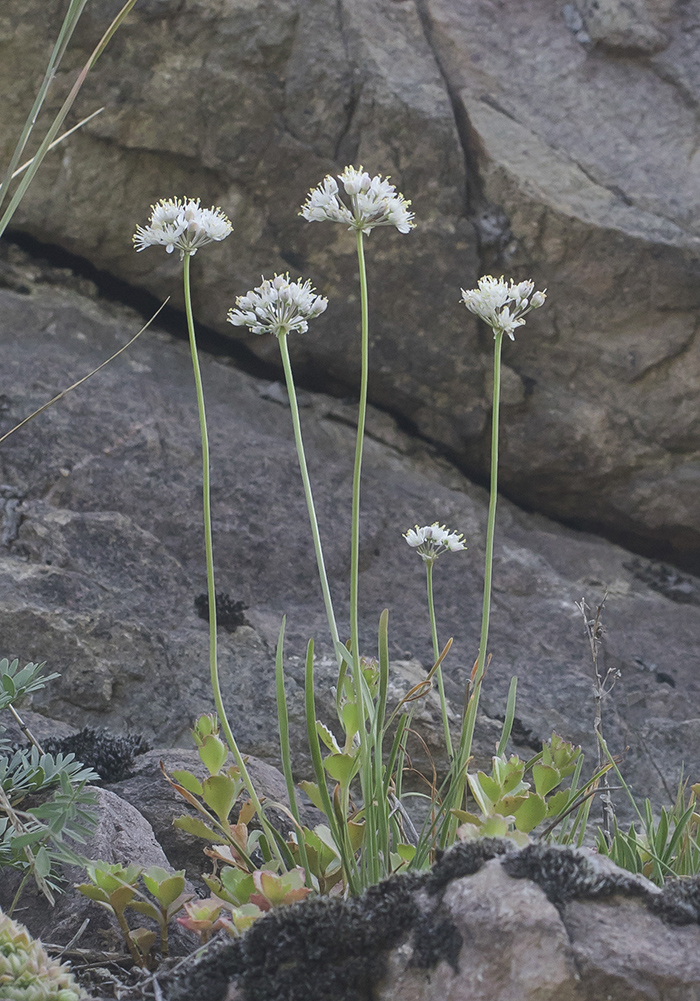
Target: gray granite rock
x=122, y=835
x=557, y=141
x=478, y=936
x=101, y=574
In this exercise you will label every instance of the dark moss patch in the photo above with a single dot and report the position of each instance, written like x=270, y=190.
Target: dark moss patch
x=464, y=859
x=229, y=613
x=321, y=950
x=679, y=902
x=435, y=941
x=209, y=978
x=111, y=756
x=564, y=875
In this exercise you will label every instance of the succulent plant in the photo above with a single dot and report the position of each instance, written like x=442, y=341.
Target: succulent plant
x=27, y=972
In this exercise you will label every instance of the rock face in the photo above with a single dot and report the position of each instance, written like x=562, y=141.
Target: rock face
x=102, y=562
x=122, y=835
x=552, y=141
x=562, y=930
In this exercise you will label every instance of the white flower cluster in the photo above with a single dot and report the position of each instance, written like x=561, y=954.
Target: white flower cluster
x=278, y=306
x=433, y=540
x=373, y=202
x=503, y=304
x=182, y=223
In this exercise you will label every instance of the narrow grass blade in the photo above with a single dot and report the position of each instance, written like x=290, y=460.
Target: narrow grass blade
x=68, y=26
x=285, y=749
x=510, y=716
x=60, y=117
x=75, y=385
x=317, y=761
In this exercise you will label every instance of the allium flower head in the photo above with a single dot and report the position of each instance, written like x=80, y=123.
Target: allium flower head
x=373, y=202
x=182, y=223
x=433, y=540
x=278, y=306
x=503, y=304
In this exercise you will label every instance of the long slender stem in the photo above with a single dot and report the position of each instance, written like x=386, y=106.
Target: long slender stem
x=206, y=487
x=490, y=532
x=357, y=472
x=296, y=422
x=436, y=654
x=458, y=772
x=209, y=553
x=359, y=684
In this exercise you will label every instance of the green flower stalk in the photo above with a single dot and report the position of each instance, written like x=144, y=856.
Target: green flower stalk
x=280, y=307
x=369, y=202
x=184, y=225
x=429, y=542
x=502, y=305
x=373, y=202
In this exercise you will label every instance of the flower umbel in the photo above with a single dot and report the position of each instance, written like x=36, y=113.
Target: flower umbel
x=373, y=202
x=278, y=306
x=182, y=223
x=431, y=541
x=503, y=304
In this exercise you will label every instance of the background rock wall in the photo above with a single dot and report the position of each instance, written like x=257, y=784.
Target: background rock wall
x=542, y=139
x=102, y=559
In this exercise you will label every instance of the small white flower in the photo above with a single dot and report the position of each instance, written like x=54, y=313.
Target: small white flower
x=502, y=304
x=278, y=306
x=431, y=541
x=182, y=223
x=373, y=202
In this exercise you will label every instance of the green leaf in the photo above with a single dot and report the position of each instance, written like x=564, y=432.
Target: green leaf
x=93, y=892
x=558, y=802
x=42, y=863
x=244, y=916
x=8, y=684
x=490, y=787
x=143, y=939
x=314, y=793
x=545, y=777
x=213, y=753
x=509, y=805
x=122, y=897
x=341, y=767
x=531, y=813
x=327, y=737
x=324, y=835
x=165, y=887
x=406, y=852
x=189, y=782
x=220, y=793
x=350, y=718
x=22, y=840
x=146, y=908
x=494, y=827
x=476, y=784
x=192, y=825
x=238, y=884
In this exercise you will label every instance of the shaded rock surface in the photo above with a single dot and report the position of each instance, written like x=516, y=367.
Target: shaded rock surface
x=122, y=835
x=557, y=141
x=101, y=570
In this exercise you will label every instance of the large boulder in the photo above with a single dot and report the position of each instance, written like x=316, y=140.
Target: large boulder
x=121, y=835
x=103, y=562
x=484, y=925
x=557, y=141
